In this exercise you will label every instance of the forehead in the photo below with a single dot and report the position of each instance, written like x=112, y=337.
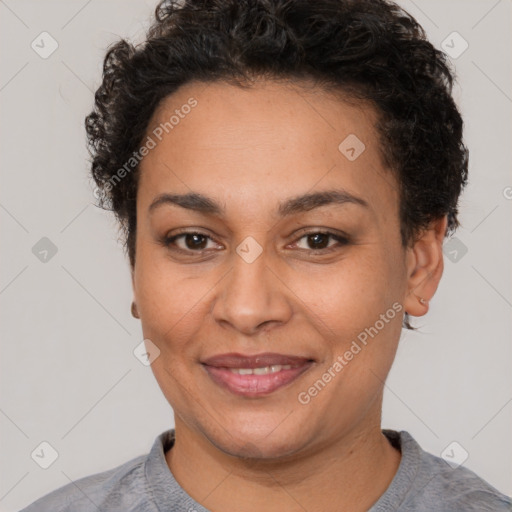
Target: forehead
x=263, y=143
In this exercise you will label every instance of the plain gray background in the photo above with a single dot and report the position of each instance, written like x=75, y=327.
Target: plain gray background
x=68, y=373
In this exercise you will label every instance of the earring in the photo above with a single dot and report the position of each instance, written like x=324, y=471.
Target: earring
x=135, y=313
x=422, y=300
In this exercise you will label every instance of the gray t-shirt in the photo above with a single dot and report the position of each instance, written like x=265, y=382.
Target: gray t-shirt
x=423, y=483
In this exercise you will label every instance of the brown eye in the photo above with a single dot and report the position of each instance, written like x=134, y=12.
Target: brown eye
x=318, y=241
x=194, y=242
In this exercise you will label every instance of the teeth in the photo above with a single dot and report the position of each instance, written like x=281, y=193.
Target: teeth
x=261, y=371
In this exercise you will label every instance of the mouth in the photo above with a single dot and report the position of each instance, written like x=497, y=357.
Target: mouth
x=255, y=376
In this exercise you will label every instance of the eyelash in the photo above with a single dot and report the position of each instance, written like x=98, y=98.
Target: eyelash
x=341, y=239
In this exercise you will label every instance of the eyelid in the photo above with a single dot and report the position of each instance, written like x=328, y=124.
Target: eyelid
x=311, y=230
x=168, y=239
x=341, y=237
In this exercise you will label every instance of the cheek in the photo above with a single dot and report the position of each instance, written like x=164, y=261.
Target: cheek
x=169, y=303
x=350, y=295
x=172, y=308
x=358, y=312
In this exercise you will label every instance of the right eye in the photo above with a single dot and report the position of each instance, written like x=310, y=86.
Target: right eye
x=188, y=241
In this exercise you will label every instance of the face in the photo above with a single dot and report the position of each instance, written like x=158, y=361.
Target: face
x=292, y=253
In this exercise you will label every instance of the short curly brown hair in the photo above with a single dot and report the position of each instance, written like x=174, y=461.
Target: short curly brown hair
x=371, y=49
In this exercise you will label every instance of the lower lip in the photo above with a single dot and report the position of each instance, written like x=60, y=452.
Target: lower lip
x=254, y=385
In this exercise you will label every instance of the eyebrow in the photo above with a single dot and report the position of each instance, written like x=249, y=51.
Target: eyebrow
x=203, y=204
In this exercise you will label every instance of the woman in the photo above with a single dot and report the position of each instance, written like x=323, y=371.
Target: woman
x=285, y=173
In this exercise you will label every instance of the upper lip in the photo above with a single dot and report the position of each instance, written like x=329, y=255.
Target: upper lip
x=235, y=360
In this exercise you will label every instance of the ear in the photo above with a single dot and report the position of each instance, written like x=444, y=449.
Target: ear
x=134, y=310
x=425, y=267
x=134, y=287
x=132, y=273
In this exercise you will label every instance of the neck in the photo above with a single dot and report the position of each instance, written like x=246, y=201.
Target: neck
x=350, y=473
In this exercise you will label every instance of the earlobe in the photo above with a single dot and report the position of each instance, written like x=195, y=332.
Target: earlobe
x=134, y=310
x=425, y=267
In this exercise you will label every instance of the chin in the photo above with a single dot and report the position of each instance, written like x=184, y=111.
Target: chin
x=255, y=441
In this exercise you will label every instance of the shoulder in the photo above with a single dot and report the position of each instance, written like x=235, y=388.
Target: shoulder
x=122, y=488
x=461, y=489
x=446, y=488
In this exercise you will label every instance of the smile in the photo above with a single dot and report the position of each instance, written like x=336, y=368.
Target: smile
x=255, y=376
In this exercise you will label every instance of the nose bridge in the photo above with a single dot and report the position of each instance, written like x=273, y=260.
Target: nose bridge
x=251, y=294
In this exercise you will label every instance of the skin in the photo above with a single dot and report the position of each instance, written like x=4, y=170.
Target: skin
x=250, y=150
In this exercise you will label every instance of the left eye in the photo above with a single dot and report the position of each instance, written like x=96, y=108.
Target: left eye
x=320, y=240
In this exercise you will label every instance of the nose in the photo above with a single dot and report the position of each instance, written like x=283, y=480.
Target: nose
x=252, y=296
